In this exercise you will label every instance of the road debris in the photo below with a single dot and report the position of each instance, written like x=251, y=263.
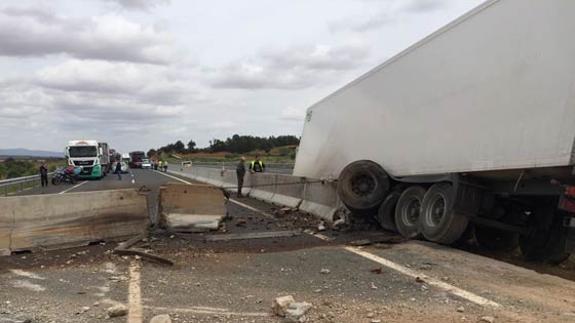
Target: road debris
x=293, y=311
x=377, y=271
x=117, y=310
x=252, y=235
x=325, y=271
x=144, y=255
x=487, y=319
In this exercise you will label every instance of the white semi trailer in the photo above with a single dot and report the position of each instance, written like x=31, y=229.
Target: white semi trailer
x=471, y=129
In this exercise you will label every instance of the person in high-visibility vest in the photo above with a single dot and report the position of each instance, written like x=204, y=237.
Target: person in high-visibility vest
x=257, y=166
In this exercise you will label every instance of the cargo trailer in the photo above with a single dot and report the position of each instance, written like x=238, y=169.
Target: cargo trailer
x=470, y=131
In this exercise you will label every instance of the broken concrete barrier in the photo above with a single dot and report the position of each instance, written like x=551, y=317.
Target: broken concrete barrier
x=53, y=221
x=191, y=208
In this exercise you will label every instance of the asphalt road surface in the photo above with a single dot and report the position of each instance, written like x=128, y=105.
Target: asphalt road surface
x=237, y=281
x=134, y=179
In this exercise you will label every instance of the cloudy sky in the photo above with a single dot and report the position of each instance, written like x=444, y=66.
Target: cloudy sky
x=144, y=73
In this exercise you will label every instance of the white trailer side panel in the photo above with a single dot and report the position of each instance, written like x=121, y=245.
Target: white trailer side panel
x=493, y=90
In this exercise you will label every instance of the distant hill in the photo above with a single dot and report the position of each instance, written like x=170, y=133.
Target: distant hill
x=20, y=152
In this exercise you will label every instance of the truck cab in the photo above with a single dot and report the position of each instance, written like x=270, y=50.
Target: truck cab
x=86, y=154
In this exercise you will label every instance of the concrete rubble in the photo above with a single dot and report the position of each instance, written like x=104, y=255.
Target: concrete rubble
x=292, y=311
x=117, y=310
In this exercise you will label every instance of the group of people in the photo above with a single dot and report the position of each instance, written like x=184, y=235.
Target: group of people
x=161, y=165
x=256, y=166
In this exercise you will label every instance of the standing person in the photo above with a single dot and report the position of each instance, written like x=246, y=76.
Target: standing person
x=241, y=172
x=44, y=174
x=160, y=165
x=165, y=166
x=257, y=166
x=118, y=170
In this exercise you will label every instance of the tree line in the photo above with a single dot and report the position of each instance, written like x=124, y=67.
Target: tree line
x=236, y=144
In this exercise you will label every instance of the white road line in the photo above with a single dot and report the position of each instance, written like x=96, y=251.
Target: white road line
x=135, y=312
x=387, y=263
x=174, y=177
x=322, y=237
x=429, y=280
x=251, y=208
x=207, y=310
x=73, y=187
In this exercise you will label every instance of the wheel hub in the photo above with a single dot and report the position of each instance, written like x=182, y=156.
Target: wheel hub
x=411, y=212
x=363, y=185
x=436, y=211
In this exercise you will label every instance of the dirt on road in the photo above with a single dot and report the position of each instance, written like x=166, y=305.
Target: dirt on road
x=344, y=280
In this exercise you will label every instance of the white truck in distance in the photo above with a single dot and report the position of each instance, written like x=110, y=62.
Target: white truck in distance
x=470, y=131
x=92, y=156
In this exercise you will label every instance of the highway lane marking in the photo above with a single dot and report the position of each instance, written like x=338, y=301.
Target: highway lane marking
x=471, y=297
x=174, y=177
x=251, y=208
x=135, y=311
x=73, y=187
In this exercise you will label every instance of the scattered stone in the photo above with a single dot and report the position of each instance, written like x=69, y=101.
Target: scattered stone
x=425, y=266
x=287, y=307
x=296, y=311
x=370, y=315
x=241, y=223
x=164, y=318
x=321, y=227
x=281, y=304
x=419, y=280
x=373, y=286
x=461, y=309
x=325, y=271
x=487, y=319
x=377, y=271
x=117, y=310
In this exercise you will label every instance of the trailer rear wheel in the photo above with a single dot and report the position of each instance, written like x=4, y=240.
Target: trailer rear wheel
x=407, y=212
x=386, y=213
x=439, y=222
x=362, y=186
x=545, y=244
x=494, y=239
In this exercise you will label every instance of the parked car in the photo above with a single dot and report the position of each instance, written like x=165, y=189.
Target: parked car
x=146, y=164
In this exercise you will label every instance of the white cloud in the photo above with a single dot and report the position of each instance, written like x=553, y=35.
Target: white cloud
x=140, y=4
x=293, y=68
x=26, y=32
x=293, y=114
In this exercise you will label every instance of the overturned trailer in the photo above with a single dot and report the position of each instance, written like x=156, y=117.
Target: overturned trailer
x=473, y=124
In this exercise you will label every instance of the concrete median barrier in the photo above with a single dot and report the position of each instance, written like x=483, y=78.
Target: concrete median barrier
x=311, y=196
x=52, y=221
x=262, y=186
x=320, y=199
x=288, y=191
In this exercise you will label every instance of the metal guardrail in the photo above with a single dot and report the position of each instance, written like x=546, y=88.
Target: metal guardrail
x=280, y=168
x=18, y=184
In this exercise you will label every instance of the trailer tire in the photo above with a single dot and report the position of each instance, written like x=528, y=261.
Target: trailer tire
x=407, y=212
x=439, y=222
x=493, y=239
x=545, y=244
x=386, y=213
x=362, y=186
x=55, y=181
